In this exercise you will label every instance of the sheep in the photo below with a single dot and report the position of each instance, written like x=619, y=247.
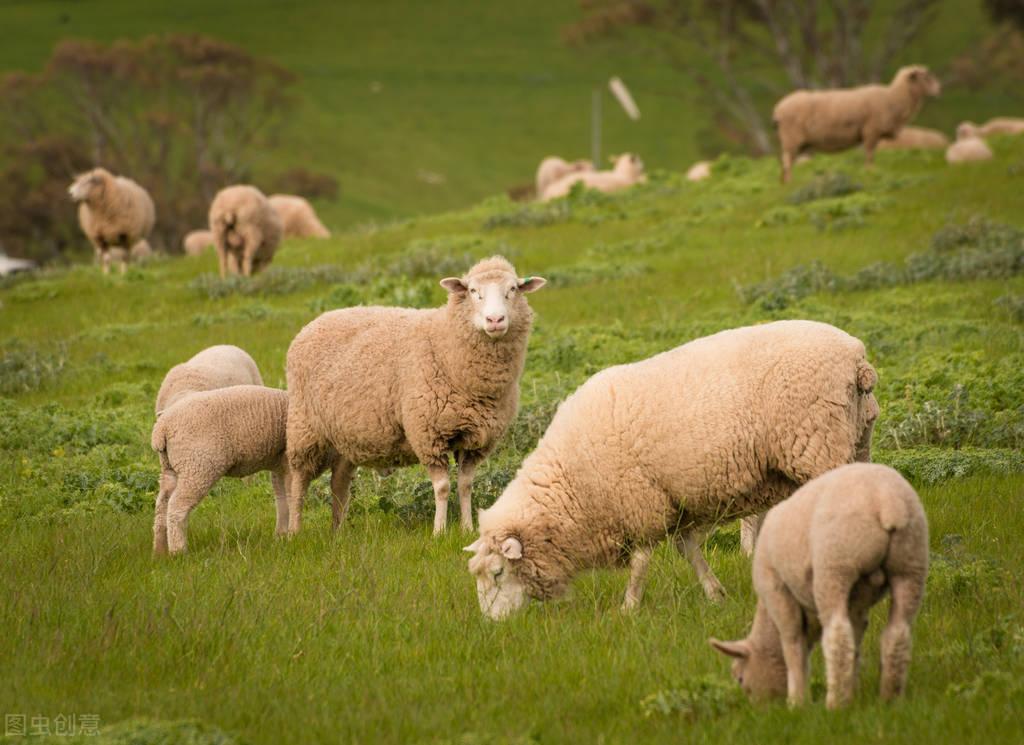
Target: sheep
x=246, y=230
x=139, y=252
x=1001, y=125
x=699, y=171
x=196, y=242
x=553, y=168
x=968, y=149
x=215, y=367
x=114, y=212
x=236, y=431
x=914, y=138
x=719, y=428
x=298, y=218
x=838, y=119
x=629, y=170
x=386, y=387
x=826, y=556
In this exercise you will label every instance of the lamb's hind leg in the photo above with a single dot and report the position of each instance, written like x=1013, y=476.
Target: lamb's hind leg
x=168, y=481
x=689, y=544
x=832, y=588
x=187, y=494
x=906, y=599
x=280, y=478
x=639, y=563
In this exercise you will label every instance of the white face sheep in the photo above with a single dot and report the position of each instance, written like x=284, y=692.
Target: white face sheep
x=298, y=218
x=386, y=387
x=553, y=168
x=716, y=429
x=628, y=170
x=826, y=556
x=219, y=366
x=246, y=230
x=1001, y=125
x=115, y=213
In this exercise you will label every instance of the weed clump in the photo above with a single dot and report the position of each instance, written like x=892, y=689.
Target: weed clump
x=826, y=186
x=25, y=368
x=703, y=698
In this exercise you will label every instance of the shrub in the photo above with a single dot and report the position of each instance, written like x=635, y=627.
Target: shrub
x=25, y=368
x=827, y=185
x=697, y=699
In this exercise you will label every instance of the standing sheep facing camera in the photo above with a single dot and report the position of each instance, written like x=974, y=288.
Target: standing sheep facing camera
x=389, y=387
x=246, y=230
x=670, y=446
x=553, y=168
x=298, y=218
x=838, y=119
x=628, y=170
x=220, y=366
x=115, y=214
x=826, y=555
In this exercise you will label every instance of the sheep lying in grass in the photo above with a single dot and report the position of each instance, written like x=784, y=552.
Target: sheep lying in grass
x=1001, y=125
x=246, y=230
x=968, y=150
x=826, y=555
x=114, y=213
x=699, y=171
x=553, y=168
x=139, y=252
x=393, y=386
x=629, y=170
x=298, y=218
x=838, y=119
x=914, y=138
x=215, y=367
x=722, y=427
x=236, y=431
x=196, y=242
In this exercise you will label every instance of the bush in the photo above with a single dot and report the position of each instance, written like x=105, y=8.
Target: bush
x=826, y=186
x=697, y=699
x=25, y=368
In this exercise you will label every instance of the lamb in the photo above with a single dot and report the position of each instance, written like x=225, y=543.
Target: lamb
x=214, y=367
x=246, y=230
x=553, y=168
x=114, y=212
x=719, y=428
x=196, y=242
x=139, y=252
x=838, y=119
x=298, y=218
x=236, y=431
x=629, y=170
x=387, y=387
x=699, y=171
x=967, y=150
x=826, y=556
x=1001, y=125
x=914, y=138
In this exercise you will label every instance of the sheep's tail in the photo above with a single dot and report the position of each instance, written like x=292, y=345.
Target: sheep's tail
x=229, y=218
x=158, y=441
x=867, y=378
x=893, y=514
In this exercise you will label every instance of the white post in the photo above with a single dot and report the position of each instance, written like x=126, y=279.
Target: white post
x=595, y=128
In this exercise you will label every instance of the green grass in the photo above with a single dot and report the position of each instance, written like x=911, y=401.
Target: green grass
x=375, y=635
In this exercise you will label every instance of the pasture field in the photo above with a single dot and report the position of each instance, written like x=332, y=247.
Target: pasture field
x=374, y=635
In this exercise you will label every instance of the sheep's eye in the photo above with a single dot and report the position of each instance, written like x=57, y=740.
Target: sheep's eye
x=474, y=292
x=499, y=572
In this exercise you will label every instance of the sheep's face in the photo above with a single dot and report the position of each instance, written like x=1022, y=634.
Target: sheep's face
x=494, y=299
x=629, y=165
x=498, y=587
x=86, y=185
x=966, y=130
x=921, y=80
x=760, y=676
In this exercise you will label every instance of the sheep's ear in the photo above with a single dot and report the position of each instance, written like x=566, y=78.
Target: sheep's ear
x=511, y=548
x=915, y=74
x=738, y=649
x=473, y=547
x=454, y=285
x=531, y=284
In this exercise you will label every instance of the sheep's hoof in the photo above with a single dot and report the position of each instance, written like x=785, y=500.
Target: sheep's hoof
x=715, y=592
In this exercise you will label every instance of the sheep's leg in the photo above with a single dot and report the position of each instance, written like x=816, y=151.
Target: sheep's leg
x=467, y=469
x=832, y=588
x=233, y=267
x=279, y=478
x=341, y=480
x=106, y=262
x=442, y=488
x=870, y=143
x=639, y=563
x=906, y=599
x=222, y=259
x=247, y=260
x=788, y=617
x=689, y=545
x=749, y=528
x=787, y=165
x=168, y=481
x=187, y=494
x=296, y=494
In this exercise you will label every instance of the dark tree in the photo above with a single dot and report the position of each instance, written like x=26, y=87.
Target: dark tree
x=1006, y=11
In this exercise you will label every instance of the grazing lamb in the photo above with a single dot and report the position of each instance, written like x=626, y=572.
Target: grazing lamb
x=838, y=119
x=236, y=431
x=114, y=213
x=389, y=387
x=914, y=138
x=214, y=367
x=716, y=429
x=553, y=168
x=826, y=556
x=1001, y=125
x=298, y=218
x=246, y=230
x=967, y=150
x=197, y=242
x=699, y=171
x=629, y=170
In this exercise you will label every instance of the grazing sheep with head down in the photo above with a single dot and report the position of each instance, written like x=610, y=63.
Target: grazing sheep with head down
x=115, y=214
x=838, y=119
x=825, y=556
x=718, y=428
x=196, y=242
x=968, y=150
x=220, y=366
x=1001, y=125
x=553, y=168
x=298, y=218
x=246, y=230
x=236, y=431
x=914, y=138
x=628, y=170
x=390, y=387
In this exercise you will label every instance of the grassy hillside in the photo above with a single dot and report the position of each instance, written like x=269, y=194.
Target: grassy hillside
x=375, y=635
x=475, y=92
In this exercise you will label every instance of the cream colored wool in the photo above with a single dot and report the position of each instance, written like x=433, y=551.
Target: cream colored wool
x=915, y=138
x=387, y=387
x=968, y=150
x=197, y=242
x=298, y=218
x=699, y=171
x=1001, y=125
x=114, y=212
x=215, y=367
x=629, y=170
x=838, y=119
x=553, y=168
x=236, y=431
x=246, y=230
x=719, y=428
x=825, y=556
